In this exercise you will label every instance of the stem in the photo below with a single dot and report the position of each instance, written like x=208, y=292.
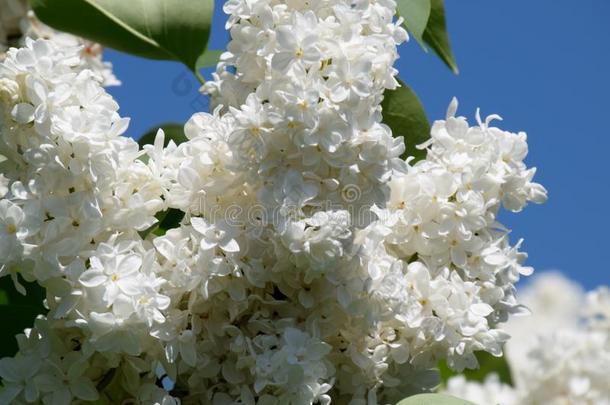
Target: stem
x=106, y=380
x=199, y=76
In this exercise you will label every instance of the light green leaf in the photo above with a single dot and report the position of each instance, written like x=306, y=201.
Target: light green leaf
x=17, y=312
x=415, y=14
x=487, y=364
x=157, y=29
x=209, y=58
x=436, y=34
x=405, y=115
x=433, y=399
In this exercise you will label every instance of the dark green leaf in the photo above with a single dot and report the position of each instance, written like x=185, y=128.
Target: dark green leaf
x=416, y=14
x=166, y=220
x=405, y=115
x=17, y=312
x=173, y=132
x=436, y=34
x=157, y=29
x=487, y=364
x=209, y=59
x=169, y=219
x=433, y=399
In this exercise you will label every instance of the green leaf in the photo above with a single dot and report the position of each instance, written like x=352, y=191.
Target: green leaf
x=415, y=14
x=157, y=29
x=168, y=219
x=405, y=115
x=436, y=34
x=433, y=399
x=17, y=312
x=487, y=364
x=209, y=58
x=173, y=132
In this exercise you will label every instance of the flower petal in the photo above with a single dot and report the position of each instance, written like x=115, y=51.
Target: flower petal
x=92, y=278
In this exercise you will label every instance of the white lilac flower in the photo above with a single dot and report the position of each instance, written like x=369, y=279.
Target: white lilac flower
x=215, y=235
x=557, y=355
x=18, y=22
x=297, y=43
x=490, y=391
x=17, y=373
x=312, y=263
x=597, y=309
x=117, y=275
x=304, y=143
x=75, y=193
x=63, y=380
x=12, y=231
x=554, y=303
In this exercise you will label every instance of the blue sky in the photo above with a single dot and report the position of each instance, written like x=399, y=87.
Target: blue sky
x=543, y=65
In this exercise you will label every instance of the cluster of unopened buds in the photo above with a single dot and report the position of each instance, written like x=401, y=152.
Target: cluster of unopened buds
x=312, y=263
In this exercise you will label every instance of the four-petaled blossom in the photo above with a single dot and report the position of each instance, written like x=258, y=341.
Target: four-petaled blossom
x=220, y=234
x=116, y=275
x=297, y=43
